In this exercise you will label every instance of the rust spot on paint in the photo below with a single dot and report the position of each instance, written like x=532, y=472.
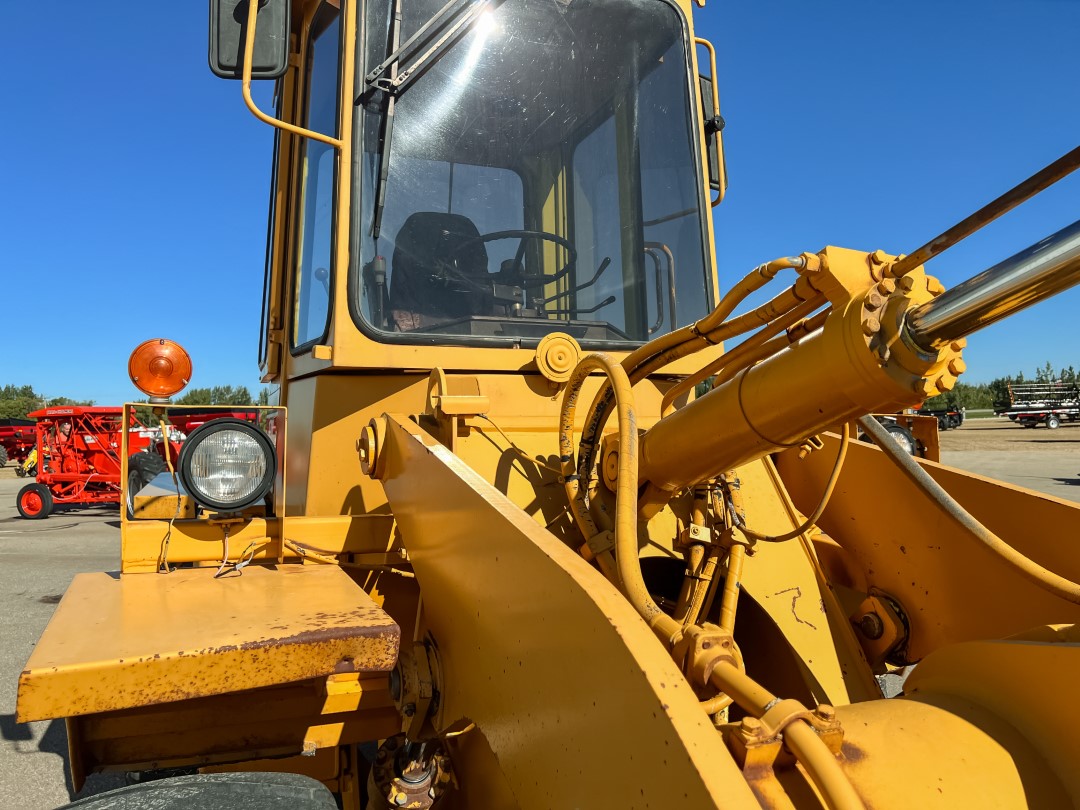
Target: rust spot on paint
x=852, y=753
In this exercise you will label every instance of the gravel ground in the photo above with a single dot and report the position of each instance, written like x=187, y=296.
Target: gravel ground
x=1035, y=458
x=998, y=433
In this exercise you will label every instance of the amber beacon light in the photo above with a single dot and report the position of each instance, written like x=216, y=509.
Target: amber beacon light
x=159, y=368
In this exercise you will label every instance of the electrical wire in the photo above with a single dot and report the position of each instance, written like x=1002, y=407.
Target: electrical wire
x=163, y=557
x=517, y=449
x=308, y=554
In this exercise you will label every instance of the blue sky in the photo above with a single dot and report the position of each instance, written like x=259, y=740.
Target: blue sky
x=135, y=183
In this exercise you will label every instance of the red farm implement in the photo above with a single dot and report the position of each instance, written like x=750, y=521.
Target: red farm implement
x=78, y=451
x=17, y=439
x=188, y=419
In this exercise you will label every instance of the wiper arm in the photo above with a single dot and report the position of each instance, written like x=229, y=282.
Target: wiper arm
x=448, y=26
x=437, y=35
x=387, y=134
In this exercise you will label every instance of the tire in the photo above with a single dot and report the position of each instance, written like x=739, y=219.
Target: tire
x=34, y=502
x=903, y=437
x=942, y=423
x=142, y=469
x=1053, y=421
x=216, y=791
x=3, y=456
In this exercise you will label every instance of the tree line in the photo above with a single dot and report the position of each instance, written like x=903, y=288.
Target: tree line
x=995, y=394
x=16, y=401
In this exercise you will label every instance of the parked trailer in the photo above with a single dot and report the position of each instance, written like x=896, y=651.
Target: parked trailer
x=1050, y=404
x=947, y=417
x=17, y=439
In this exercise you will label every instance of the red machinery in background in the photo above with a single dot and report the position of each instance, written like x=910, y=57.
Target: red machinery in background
x=17, y=439
x=78, y=450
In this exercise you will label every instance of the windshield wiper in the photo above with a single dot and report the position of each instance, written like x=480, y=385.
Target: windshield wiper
x=395, y=73
x=438, y=35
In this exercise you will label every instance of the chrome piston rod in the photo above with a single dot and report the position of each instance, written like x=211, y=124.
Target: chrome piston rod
x=1042, y=270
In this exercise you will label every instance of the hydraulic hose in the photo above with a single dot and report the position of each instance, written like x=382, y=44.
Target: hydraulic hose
x=730, y=598
x=645, y=361
x=738, y=355
x=627, y=562
x=801, y=739
x=1026, y=567
x=834, y=476
x=750, y=283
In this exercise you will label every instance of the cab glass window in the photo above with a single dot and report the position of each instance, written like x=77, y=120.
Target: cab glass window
x=542, y=176
x=318, y=168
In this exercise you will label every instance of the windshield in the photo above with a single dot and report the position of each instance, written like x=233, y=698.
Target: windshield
x=542, y=177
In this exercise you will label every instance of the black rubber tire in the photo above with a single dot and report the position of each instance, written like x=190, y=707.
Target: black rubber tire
x=903, y=437
x=943, y=424
x=142, y=469
x=217, y=791
x=37, y=508
x=1053, y=421
x=3, y=456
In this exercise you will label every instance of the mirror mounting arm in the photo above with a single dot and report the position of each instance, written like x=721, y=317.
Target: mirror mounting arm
x=249, y=53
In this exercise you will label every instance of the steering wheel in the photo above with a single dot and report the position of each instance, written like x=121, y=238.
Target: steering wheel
x=524, y=236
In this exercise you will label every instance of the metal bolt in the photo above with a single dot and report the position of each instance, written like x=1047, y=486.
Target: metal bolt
x=946, y=382
x=825, y=712
x=874, y=300
x=750, y=725
x=887, y=286
x=400, y=799
x=871, y=626
x=409, y=709
x=924, y=387
x=906, y=283
x=368, y=450
x=957, y=345
x=871, y=326
x=957, y=366
x=878, y=257
x=933, y=286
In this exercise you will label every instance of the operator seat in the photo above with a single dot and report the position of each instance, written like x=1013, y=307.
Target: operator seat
x=438, y=271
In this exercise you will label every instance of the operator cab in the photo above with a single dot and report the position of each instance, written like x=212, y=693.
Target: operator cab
x=539, y=173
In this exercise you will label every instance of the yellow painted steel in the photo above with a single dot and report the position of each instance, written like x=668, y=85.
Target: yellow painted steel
x=891, y=538
x=308, y=716
x=433, y=489
x=148, y=639
x=543, y=654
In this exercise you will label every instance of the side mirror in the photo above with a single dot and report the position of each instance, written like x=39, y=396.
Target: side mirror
x=714, y=125
x=228, y=35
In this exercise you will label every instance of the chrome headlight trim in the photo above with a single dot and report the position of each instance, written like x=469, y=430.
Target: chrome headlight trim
x=233, y=460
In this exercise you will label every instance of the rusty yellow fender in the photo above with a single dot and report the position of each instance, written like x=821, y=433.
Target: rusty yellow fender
x=121, y=641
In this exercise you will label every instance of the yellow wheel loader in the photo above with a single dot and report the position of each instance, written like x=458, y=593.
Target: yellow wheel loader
x=490, y=550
